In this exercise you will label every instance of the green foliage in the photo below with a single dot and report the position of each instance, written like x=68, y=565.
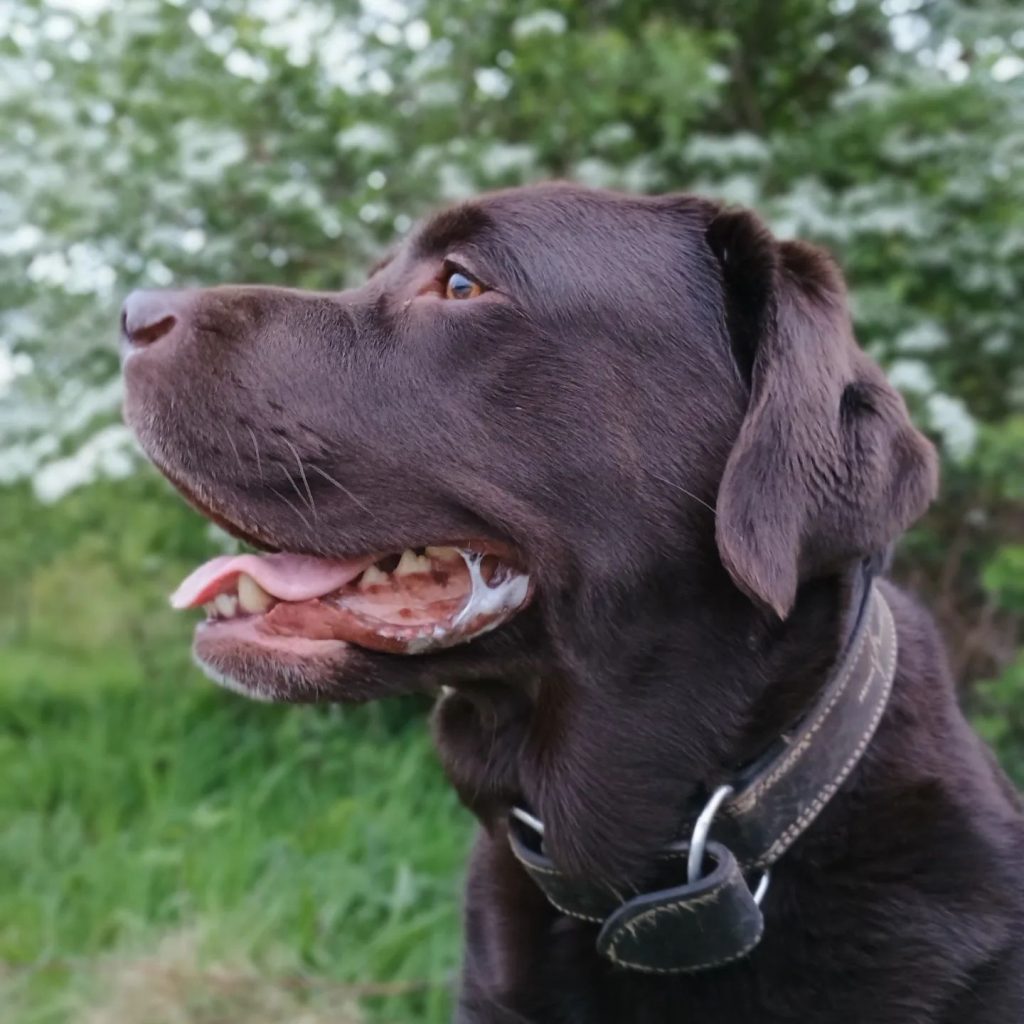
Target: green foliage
x=155, y=141
x=1003, y=577
x=1000, y=717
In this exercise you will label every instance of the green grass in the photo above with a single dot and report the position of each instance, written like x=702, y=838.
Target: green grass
x=174, y=854
x=170, y=842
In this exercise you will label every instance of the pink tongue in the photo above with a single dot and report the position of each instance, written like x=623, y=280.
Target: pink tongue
x=286, y=577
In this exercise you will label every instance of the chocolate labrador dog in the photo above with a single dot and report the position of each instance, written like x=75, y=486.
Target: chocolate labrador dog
x=611, y=475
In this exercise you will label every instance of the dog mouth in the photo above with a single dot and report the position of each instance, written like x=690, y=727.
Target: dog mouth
x=413, y=601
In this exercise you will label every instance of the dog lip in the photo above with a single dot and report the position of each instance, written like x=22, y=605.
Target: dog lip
x=249, y=628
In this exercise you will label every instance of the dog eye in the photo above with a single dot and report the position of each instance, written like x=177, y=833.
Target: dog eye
x=461, y=286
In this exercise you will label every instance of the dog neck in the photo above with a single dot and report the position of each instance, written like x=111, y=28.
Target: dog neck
x=674, y=922
x=617, y=774
x=799, y=658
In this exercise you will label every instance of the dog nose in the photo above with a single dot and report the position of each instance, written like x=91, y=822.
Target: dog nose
x=151, y=316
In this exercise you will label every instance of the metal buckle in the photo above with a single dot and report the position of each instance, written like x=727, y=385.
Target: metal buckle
x=699, y=842
x=529, y=820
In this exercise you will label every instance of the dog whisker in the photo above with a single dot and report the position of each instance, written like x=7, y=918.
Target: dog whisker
x=679, y=487
x=295, y=508
x=234, y=448
x=256, y=449
x=344, y=490
x=295, y=486
x=302, y=473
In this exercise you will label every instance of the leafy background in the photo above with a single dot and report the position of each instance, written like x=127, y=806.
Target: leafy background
x=178, y=855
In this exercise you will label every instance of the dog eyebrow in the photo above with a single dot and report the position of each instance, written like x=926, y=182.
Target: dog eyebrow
x=450, y=228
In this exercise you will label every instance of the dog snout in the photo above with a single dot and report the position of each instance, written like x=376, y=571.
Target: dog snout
x=149, y=317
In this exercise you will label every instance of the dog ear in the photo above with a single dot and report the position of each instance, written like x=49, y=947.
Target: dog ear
x=827, y=467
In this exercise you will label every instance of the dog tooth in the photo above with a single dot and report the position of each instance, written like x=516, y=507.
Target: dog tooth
x=251, y=596
x=373, y=577
x=210, y=608
x=226, y=605
x=409, y=563
x=442, y=554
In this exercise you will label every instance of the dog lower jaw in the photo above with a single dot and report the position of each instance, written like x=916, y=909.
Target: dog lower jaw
x=308, y=672
x=235, y=654
x=317, y=650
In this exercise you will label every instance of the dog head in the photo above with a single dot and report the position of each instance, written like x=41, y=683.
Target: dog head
x=571, y=453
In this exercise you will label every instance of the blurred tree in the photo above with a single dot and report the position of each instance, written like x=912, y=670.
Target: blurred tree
x=157, y=141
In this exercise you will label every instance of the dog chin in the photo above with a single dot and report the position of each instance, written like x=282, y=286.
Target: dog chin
x=237, y=656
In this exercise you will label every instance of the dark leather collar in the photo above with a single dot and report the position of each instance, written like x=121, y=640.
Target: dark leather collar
x=691, y=921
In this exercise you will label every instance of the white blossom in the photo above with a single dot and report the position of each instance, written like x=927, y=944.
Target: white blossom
x=538, y=22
